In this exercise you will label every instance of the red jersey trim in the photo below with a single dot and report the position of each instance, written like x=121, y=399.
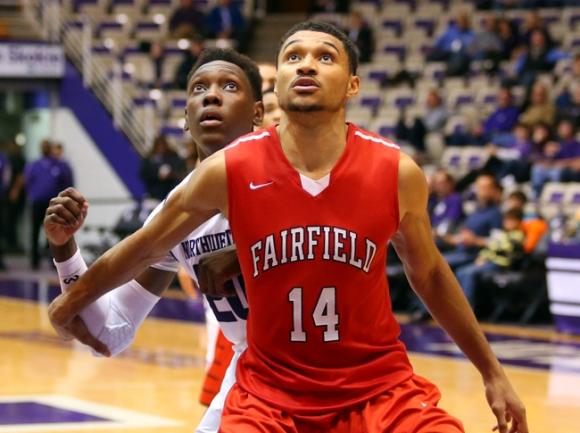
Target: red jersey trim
x=385, y=142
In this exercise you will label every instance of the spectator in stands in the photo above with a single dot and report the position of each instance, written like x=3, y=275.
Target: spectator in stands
x=445, y=206
x=268, y=74
x=157, y=56
x=567, y=81
x=362, y=35
x=16, y=196
x=478, y=225
x=4, y=190
x=533, y=225
x=189, y=58
x=227, y=22
x=569, y=107
x=507, y=155
x=503, y=249
x=186, y=21
x=453, y=46
x=432, y=121
x=540, y=107
x=558, y=157
x=536, y=60
x=504, y=118
x=534, y=23
x=487, y=45
x=332, y=6
x=44, y=179
x=507, y=33
x=272, y=111
x=162, y=170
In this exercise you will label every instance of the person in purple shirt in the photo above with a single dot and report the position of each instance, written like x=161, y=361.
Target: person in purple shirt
x=4, y=187
x=226, y=21
x=44, y=179
x=445, y=206
x=453, y=46
x=558, y=157
x=186, y=21
x=504, y=118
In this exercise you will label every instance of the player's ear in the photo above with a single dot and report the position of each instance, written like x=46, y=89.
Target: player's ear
x=353, y=86
x=258, y=113
x=186, y=125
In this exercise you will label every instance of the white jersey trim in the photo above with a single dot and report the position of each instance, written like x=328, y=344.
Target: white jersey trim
x=376, y=140
x=254, y=136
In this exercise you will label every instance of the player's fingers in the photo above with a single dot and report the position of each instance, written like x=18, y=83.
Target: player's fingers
x=63, y=212
x=202, y=276
x=73, y=194
x=499, y=412
x=73, y=207
x=81, y=333
x=55, y=219
x=520, y=423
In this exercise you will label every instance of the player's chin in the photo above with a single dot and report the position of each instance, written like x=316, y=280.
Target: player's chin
x=210, y=136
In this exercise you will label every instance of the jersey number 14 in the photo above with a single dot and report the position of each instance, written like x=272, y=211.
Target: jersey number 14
x=324, y=314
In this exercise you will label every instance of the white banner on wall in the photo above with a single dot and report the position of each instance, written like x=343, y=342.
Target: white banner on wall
x=30, y=60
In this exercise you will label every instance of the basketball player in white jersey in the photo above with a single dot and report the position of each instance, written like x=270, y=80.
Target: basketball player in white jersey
x=224, y=102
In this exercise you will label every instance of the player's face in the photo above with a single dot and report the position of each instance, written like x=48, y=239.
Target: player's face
x=314, y=74
x=272, y=110
x=220, y=106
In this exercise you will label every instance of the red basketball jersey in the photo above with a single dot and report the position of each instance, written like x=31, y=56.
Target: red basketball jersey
x=321, y=332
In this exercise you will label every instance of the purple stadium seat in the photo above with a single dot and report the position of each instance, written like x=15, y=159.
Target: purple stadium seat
x=392, y=23
x=556, y=197
x=370, y=101
x=398, y=49
x=426, y=24
x=378, y=75
x=404, y=101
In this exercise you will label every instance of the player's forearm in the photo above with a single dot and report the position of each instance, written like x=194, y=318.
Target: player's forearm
x=116, y=267
x=61, y=253
x=444, y=298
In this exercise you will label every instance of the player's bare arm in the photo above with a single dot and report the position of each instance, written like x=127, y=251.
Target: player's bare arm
x=202, y=197
x=434, y=282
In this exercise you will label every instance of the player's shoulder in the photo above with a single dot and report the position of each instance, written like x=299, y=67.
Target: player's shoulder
x=251, y=140
x=372, y=139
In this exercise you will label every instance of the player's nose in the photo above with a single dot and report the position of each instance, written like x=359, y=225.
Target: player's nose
x=212, y=96
x=307, y=66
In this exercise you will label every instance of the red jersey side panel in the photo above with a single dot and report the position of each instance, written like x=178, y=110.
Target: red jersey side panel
x=321, y=332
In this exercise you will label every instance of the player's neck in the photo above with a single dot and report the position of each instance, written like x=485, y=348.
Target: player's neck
x=313, y=147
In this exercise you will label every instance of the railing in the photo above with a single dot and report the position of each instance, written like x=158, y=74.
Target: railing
x=51, y=17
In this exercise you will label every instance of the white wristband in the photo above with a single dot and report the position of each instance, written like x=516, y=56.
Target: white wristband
x=70, y=270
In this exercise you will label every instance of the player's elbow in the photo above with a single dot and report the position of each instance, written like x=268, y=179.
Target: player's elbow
x=117, y=338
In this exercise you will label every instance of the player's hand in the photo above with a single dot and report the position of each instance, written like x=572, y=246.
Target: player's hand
x=69, y=325
x=506, y=406
x=65, y=215
x=216, y=269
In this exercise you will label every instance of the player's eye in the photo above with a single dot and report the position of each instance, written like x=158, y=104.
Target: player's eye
x=230, y=85
x=196, y=88
x=327, y=58
x=293, y=57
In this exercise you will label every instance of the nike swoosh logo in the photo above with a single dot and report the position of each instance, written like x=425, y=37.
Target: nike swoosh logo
x=254, y=187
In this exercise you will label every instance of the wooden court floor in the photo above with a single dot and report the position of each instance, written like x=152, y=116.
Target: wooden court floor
x=154, y=387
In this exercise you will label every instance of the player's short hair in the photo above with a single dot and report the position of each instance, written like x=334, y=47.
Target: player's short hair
x=330, y=29
x=231, y=56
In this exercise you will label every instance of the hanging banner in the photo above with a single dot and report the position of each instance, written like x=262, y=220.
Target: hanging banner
x=31, y=60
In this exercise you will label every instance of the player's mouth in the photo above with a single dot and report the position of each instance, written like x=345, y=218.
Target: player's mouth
x=305, y=85
x=210, y=119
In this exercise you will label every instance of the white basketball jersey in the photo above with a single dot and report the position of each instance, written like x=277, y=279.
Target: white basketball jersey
x=213, y=235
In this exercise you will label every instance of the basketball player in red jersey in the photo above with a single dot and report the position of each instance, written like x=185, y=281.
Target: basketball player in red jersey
x=312, y=204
